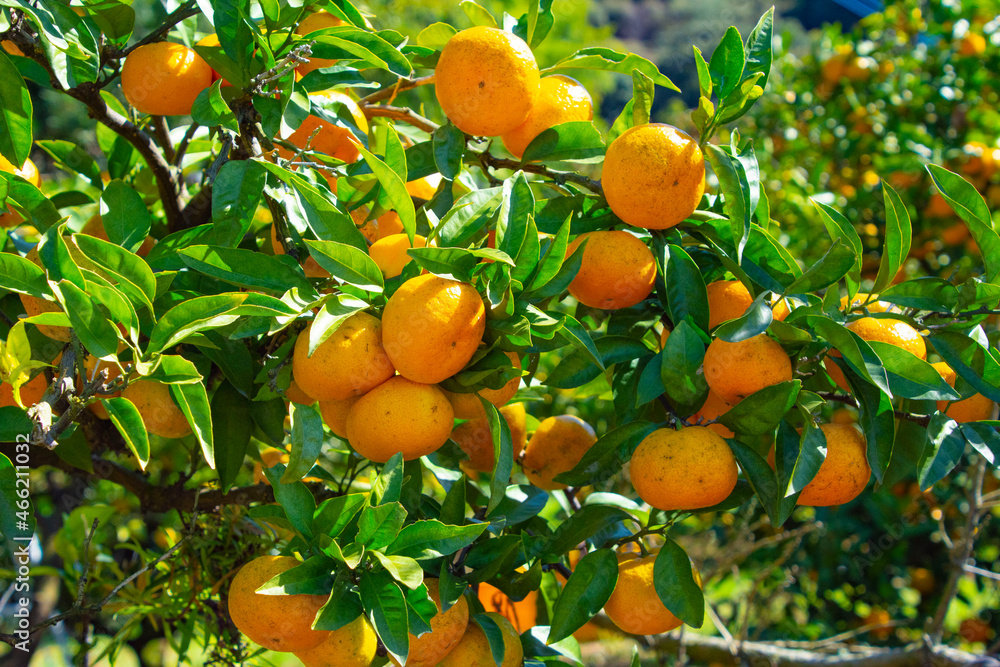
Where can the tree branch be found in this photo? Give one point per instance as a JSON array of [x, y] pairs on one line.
[[187, 10], [400, 113], [560, 177], [393, 90]]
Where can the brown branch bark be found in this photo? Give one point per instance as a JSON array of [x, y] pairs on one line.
[[560, 177], [400, 113], [395, 89]]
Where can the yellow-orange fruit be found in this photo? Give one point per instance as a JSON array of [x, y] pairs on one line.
[[389, 252], [276, 622], [402, 416], [522, 614], [336, 141], [95, 227], [349, 363], [164, 78], [736, 370], [654, 176], [683, 470], [269, 458], [29, 172], [310, 266], [31, 392], [727, 300], [353, 645], [157, 408], [295, 394], [884, 330], [634, 606], [713, 408], [424, 188], [844, 472], [476, 439], [311, 23], [617, 270], [447, 629], [473, 650], [973, 409], [560, 100], [432, 326], [468, 406], [556, 447], [335, 414], [486, 81]]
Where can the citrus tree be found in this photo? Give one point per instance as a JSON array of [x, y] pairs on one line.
[[296, 312]]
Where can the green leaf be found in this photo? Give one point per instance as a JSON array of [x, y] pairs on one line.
[[97, 334], [192, 399], [585, 593], [740, 187], [14, 499], [898, 233], [191, 316], [927, 293], [828, 270], [503, 455], [307, 441], [761, 477], [128, 421], [705, 84], [18, 274], [753, 322], [342, 608], [15, 113], [133, 275], [812, 453], [552, 260], [334, 514], [877, 420], [334, 312], [681, 358], [577, 336], [55, 255], [388, 486], [404, 570], [842, 229], [763, 410], [244, 268], [314, 576], [674, 581], [124, 215], [758, 52], [232, 427], [236, 194], [294, 498], [386, 608], [71, 157], [449, 148], [970, 361], [457, 263], [910, 376], [378, 526], [583, 524], [965, 200], [436, 35], [687, 296], [602, 58], [947, 444], [425, 540], [477, 14], [727, 63], [608, 455], [394, 188], [577, 368], [857, 352], [369, 48], [575, 140]]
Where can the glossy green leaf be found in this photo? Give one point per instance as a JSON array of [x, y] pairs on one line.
[[585, 593], [673, 578], [603, 58], [575, 140], [763, 410], [128, 421]]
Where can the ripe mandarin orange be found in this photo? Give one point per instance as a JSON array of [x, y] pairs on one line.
[[560, 100], [432, 326], [389, 252], [556, 447], [973, 409], [522, 614], [353, 645], [313, 22], [399, 415], [164, 78], [654, 176], [336, 141], [31, 392], [712, 408], [276, 622], [683, 470], [157, 408], [447, 629], [486, 81], [617, 270], [349, 363], [476, 439], [468, 406], [634, 606], [736, 370], [295, 394], [335, 413], [844, 472], [473, 650]]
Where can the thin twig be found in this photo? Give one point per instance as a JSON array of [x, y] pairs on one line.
[[393, 90], [400, 113], [187, 10], [560, 177], [82, 586]]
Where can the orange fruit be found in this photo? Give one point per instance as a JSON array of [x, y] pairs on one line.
[[973, 409], [486, 81], [164, 78], [468, 406], [683, 470], [476, 439], [634, 606], [311, 23], [447, 629], [276, 622], [212, 40], [295, 394], [654, 176], [424, 188], [336, 141], [310, 266], [617, 270], [95, 227], [348, 363], [972, 44], [844, 473], [29, 172], [11, 48], [727, 300], [399, 415], [557, 446], [269, 457], [473, 650], [522, 614], [36, 306], [389, 252], [353, 645], [736, 370], [884, 330], [432, 326], [157, 408], [560, 100], [712, 408], [31, 392], [335, 413]]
